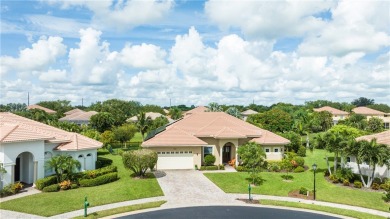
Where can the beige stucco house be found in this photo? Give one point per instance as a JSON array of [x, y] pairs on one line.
[[337, 114], [49, 111], [247, 113], [185, 143], [78, 116], [25, 146], [369, 113]]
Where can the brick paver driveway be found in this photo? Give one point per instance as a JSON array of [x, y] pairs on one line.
[[183, 187]]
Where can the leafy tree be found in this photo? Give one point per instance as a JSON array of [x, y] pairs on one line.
[[139, 161], [13, 107], [355, 120], [255, 119], [175, 113], [258, 108], [152, 108], [380, 107], [233, 111], [60, 106], [375, 125], [214, 107], [286, 107], [38, 115], [124, 133], [67, 126], [362, 101], [319, 141], [102, 121], [275, 120], [107, 137], [158, 122], [253, 158], [91, 133], [64, 166], [295, 141], [320, 121], [143, 123]]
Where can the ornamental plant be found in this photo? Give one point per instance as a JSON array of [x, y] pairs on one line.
[[139, 161]]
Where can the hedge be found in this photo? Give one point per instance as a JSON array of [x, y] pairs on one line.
[[299, 169], [103, 162], [219, 167], [44, 182], [51, 188], [103, 179], [90, 174]]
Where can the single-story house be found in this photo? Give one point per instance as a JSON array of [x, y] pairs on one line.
[[337, 114], [78, 116], [380, 171], [369, 113], [185, 143], [151, 115], [49, 111], [247, 113], [199, 109], [25, 146]]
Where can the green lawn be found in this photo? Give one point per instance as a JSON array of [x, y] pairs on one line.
[[338, 211], [137, 137], [126, 188], [274, 185]]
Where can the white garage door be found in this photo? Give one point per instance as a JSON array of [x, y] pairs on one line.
[[175, 160]]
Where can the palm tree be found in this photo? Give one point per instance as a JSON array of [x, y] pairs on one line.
[[175, 113], [64, 166], [214, 107], [143, 123], [333, 144], [233, 111]]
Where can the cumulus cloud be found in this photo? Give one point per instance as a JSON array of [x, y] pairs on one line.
[[43, 53], [142, 56], [53, 75]]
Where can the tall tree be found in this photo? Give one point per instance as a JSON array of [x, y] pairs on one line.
[[275, 120], [233, 111], [362, 101], [252, 157], [124, 133], [64, 166], [214, 107], [102, 121], [158, 122], [175, 113], [143, 123], [60, 106], [375, 125]]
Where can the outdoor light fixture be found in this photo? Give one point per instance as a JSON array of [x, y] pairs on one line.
[[314, 166]]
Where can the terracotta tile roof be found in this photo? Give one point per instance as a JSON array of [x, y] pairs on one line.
[[199, 109], [382, 138], [41, 108], [248, 112], [73, 111], [367, 111], [270, 138], [16, 128], [215, 125], [332, 110], [79, 116], [173, 137]]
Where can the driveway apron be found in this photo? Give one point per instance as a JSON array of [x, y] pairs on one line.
[[184, 187]]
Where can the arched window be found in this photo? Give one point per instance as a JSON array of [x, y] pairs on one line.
[[89, 155], [348, 159], [80, 156]]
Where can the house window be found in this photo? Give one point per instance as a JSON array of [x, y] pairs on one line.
[[386, 125], [207, 151], [267, 150], [276, 150], [158, 152], [348, 159]]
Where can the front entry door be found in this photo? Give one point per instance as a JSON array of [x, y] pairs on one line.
[[226, 154], [17, 170]]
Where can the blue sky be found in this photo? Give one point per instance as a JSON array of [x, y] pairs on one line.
[[194, 52]]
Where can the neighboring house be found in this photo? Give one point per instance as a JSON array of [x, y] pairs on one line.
[[49, 111], [151, 115], [25, 146], [199, 109], [337, 114], [380, 171], [78, 116], [247, 113], [369, 113], [185, 143]]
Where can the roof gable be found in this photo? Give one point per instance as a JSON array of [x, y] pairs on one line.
[[173, 137], [41, 108], [367, 111], [381, 138], [332, 110]]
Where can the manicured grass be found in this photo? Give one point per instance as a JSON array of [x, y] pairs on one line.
[[105, 213], [124, 189], [344, 212], [274, 185], [137, 137]]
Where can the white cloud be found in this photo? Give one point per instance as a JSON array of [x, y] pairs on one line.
[[53, 75], [142, 56]]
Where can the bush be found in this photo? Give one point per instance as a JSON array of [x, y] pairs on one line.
[[375, 186], [302, 151], [209, 168], [90, 174], [299, 169], [303, 191], [300, 161], [65, 185], [344, 173], [74, 186], [241, 169], [357, 184], [334, 178], [385, 186], [209, 160], [274, 166], [51, 188], [139, 161], [326, 173], [6, 191], [103, 162], [109, 177], [44, 182], [16, 187], [346, 182], [221, 167], [256, 178], [287, 177]]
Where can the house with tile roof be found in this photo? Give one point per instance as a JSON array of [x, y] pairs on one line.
[[185, 143], [49, 111], [337, 114], [380, 171], [247, 113], [25, 146], [78, 116], [151, 115], [369, 113]]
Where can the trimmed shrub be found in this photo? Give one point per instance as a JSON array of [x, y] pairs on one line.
[[301, 151], [333, 178], [274, 166], [346, 182], [375, 186], [74, 186], [384, 186], [299, 169], [209, 168], [16, 187], [344, 173], [241, 169], [139, 161], [256, 179], [6, 191], [90, 174], [103, 162], [51, 188], [303, 191], [109, 177], [287, 177], [221, 167], [44, 182], [300, 161], [209, 160], [357, 184]]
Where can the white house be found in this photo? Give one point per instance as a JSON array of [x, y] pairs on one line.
[[25, 146], [337, 114]]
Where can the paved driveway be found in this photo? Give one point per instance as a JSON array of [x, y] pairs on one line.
[[183, 187]]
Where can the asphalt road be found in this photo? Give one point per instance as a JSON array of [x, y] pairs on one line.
[[227, 212]]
